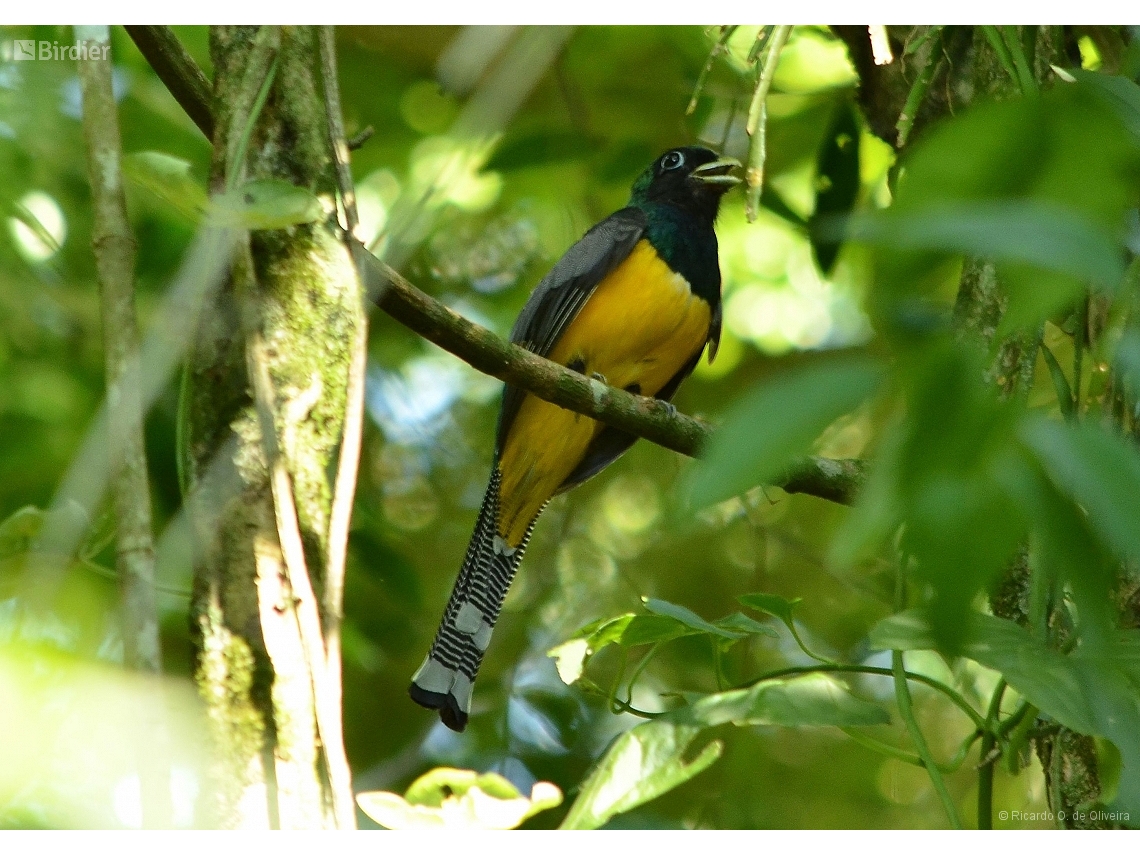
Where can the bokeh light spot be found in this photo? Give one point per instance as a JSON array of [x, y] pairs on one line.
[[38, 244]]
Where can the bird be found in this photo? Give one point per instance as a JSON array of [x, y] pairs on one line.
[[632, 304]]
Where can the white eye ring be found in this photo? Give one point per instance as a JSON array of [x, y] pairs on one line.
[[672, 160]]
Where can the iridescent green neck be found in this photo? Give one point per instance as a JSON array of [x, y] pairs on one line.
[[686, 242]]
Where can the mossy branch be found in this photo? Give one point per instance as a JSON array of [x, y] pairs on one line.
[[657, 421]]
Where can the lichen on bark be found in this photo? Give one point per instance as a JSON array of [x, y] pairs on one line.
[[284, 324]]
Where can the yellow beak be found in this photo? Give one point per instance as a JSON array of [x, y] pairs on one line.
[[718, 172]]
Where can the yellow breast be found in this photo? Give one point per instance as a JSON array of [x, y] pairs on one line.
[[640, 327]]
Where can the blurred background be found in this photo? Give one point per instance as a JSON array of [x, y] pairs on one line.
[[495, 148]]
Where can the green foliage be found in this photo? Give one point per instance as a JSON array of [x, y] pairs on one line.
[[810, 700], [459, 799], [1014, 231], [782, 609], [1090, 691], [642, 764], [1120, 93], [665, 622], [778, 421], [965, 473], [691, 620], [1097, 470], [986, 452]]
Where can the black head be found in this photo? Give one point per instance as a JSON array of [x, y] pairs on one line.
[[691, 178]]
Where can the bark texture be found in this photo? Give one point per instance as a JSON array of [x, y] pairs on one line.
[[268, 382], [114, 247]]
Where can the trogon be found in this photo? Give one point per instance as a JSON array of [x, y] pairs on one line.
[[633, 303]]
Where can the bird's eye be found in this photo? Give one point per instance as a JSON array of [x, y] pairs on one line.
[[672, 160]]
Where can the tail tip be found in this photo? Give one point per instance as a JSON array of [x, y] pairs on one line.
[[450, 713], [442, 687]]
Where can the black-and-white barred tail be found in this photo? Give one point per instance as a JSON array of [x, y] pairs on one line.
[[445, 679]]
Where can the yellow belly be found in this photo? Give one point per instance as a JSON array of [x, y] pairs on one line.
[[641, 326]]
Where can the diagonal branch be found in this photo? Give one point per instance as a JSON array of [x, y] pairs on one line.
[[834, 480], [178, 71], [483, 350]]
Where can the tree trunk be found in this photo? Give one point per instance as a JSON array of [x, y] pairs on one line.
[[267, 387]]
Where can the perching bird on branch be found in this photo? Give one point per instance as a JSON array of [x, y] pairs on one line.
[[633, 303]]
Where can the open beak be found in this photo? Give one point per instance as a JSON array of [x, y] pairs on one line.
[[718, 172]]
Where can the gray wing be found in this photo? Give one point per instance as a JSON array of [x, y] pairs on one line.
[[565, 289]]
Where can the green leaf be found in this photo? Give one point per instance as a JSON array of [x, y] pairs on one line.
[[1061, 147], [809, 700], [1068, 552], [1047, 678], [963, 530], [628, 630], [909, 630], [1039, 184], [771, 604], [267, 204], [570, 659], [1093, 692], [1127, 359], [782, 609], [1120, 93], [1042, 234], [1099, 470], [170, 179], [1061, 387], [1042, 675], [665, 622], [1109, 767], [740, 623], [778, 421], [19, 530], [631, 630], [690, 619], [877, 510], [642, 764], [459, 799]]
